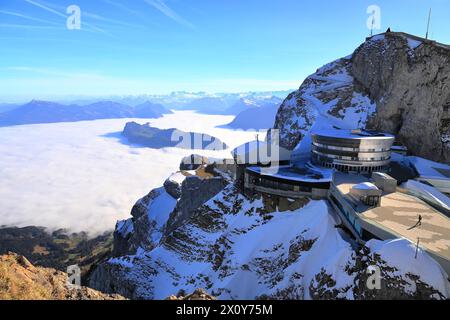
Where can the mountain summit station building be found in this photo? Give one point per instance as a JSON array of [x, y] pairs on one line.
[[351, 170], [352, 150]]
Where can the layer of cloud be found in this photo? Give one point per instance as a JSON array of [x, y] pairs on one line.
[[69, 175]]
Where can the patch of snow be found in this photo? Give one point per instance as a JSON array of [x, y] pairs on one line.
[[178, 177], [124, 227], [378, 37], [400, 253], [413, 44], [365, 186], [354, 116], [161, 207]]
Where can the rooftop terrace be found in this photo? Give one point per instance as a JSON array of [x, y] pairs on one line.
[[397, 215]]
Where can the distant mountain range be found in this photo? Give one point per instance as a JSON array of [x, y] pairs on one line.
[[181, 99], [255, 118], [50, 112], [226, 106], [141, 106], [208, 105]]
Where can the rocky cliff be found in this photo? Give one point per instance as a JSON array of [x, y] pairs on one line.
[[242, 248], [164, 209], [393, 82]]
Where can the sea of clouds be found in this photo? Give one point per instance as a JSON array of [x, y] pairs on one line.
[[83, 176]]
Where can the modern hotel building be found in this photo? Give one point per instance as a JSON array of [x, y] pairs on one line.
[[356, 151]]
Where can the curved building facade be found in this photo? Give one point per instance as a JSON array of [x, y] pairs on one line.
[[352, 150]]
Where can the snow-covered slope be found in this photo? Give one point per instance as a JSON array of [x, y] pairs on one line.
[[327, 99], [235, 249]]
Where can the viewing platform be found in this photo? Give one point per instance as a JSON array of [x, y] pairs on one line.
[[398, 215]]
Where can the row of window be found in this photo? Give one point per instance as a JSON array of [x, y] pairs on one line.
[[330, 156], [350, 149], [345, 168], [278, 185]]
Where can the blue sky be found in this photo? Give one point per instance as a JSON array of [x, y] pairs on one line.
[[159, 46]]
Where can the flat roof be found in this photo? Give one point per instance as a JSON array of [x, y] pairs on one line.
[[256, 147], [383, 174], [399, 212], [294, 173], [353, 134]]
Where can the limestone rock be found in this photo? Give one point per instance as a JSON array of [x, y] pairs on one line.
[[20, 280]]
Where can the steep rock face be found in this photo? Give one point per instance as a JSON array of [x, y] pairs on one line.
[[392, 82], [194, 192], [162, 210], [409, 79], [144, 228]]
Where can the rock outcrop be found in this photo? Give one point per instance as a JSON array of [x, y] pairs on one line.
[[155, 138], [20, 280], [195, 191], [393, 82], [199, 294], [164, 209]]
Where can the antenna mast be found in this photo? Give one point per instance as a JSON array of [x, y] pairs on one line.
[[373, 23], [428, 24]]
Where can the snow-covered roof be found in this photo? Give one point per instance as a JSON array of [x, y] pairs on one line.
[[353, 134], [383, 175], [256, 151], [365, 186], [293, 173], [430, 169], [427, 192]]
